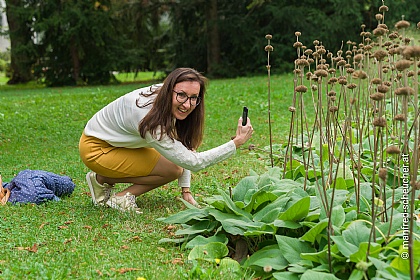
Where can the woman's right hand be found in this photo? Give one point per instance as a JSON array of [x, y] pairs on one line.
[[243, 133]]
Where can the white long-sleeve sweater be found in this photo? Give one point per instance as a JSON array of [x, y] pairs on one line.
[[117, 123]]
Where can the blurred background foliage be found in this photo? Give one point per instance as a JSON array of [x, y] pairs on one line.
[[80, 42]]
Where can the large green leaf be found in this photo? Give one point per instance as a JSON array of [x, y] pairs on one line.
[[201, 240], [200, 227], [216, 201], [259, 200], [291, 248], [255, 198], [285, 275], [209, 252], [232, 206], [338, 217], [344, 247], [246, 184], [315, 232], [287, 224], [397, 223], [185, 216], [270, 213], [270, 178], [234, 224], [317, 257], [297, 211], [228, 264], [385, 271], [360, 255], [316, 275], [267, 256], [356, 233]]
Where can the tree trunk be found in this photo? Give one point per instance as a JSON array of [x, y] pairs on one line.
[[213, 39], [74, 52], [20, 43]]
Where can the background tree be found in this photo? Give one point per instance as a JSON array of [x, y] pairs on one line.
[[78, 42], [82, 42], [23, 53]]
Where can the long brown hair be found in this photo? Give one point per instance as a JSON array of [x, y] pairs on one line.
[[188, 131]]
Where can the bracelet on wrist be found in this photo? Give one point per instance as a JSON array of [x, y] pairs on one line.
[[186, 191]]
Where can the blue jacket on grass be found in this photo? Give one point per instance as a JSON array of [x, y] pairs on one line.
[[37, 186]]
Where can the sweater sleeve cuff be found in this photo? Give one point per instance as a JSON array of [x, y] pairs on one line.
[[184, 181]]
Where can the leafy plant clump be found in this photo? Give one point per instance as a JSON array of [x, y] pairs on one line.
[[283, 230], [342, 201]]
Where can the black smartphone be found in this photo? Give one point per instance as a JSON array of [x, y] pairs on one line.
[[244, 116]]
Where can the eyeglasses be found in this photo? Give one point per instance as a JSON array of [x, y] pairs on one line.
[[182, 97]]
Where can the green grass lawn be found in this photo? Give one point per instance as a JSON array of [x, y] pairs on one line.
[[40, 129]]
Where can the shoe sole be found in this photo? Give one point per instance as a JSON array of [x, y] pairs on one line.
[[88, 179]]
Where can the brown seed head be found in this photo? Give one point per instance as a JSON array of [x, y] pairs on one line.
[[402, 24], [321, 67], [297, 34], [269, 48], [418, 25], [332, 71], [292, 109], [316, 43], [332, 93], [332, 80], [376, 81], [380, 54], [310, 60], [301, 88], [268, 36], [358, 57], [321, 73], [383, 174], [350, 70], [333, 109], [342, 80], [379, 121], [383, 89], [404, 91], [314, 87], [333, 98], [402, 64], [379, 31], [393, 35], [393, 150], [411, 51], [308, 75], [342, 62], [297, 45], [351, 86], [360, 75], [377, 96], [383, 8], [382, 25], [379, 17], [308, 51], [410, 73], [302, 62], [400, 117]]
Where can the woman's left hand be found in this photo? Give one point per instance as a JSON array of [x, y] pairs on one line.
[[187, 196]]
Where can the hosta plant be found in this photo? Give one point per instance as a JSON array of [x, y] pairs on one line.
[[278, 230]]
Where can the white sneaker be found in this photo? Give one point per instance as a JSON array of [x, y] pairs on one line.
[[100, 193], [124, 203]]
